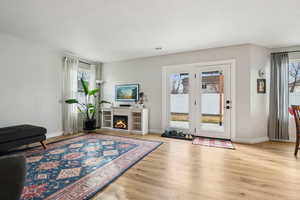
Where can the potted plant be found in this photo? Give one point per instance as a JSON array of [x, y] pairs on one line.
[[89, 107]]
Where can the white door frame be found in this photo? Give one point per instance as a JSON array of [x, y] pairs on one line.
[[190, 68]]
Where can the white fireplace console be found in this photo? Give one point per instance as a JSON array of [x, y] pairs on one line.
[[136, 118]]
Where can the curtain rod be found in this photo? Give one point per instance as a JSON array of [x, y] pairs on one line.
[[81, 59], [84, 62], [286, 52]]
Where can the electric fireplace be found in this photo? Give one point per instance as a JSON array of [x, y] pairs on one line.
[[133, 120], [120, 122]]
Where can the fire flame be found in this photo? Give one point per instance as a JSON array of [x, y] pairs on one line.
[[120, 124]]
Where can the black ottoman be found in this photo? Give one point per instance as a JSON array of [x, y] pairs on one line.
[[12, 173], [15, 136]]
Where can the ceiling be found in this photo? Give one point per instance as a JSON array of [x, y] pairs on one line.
[[111, 30]]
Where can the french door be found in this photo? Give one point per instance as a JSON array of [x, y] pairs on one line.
[[213, 101], [197, 99]]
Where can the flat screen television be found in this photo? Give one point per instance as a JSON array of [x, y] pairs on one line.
[[127, 92]]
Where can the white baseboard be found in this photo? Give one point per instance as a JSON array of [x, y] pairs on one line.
[[251, 140], [290, 140], [53, 134], [156, 131]]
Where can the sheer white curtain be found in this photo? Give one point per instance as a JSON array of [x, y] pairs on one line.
[[70, 87], [92, 81]]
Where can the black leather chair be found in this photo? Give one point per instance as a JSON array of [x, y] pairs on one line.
[[12, 176], [15, 136]]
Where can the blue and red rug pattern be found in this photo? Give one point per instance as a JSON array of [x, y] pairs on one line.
[[78, 168]]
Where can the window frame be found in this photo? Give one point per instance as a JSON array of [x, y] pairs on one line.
[[292, 61], [81, 92]]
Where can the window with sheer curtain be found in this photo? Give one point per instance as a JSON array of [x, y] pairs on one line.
[[87, 72], [84, 72]]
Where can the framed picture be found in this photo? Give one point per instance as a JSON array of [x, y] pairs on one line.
[[127, 92], [261, 85]]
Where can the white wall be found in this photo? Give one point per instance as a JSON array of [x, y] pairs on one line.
[[30, 84], [147, 72], [259, 106]]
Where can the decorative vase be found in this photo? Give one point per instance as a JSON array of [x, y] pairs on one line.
[[89, 125]]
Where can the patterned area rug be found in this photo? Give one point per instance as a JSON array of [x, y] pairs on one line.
[[213, 142], [78, 168]]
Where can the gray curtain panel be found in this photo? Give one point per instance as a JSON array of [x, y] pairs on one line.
[[279, 98]]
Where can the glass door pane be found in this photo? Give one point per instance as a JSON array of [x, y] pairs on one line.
[[212, 100], [179, 100]]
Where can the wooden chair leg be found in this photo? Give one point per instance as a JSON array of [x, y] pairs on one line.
[[43, 144], [297, 145]]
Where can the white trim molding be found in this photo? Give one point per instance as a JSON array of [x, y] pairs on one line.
[[290, 140], [251, 140], [54, 134], [156, 131]]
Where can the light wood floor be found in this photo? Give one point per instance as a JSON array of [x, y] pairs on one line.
[[178, 170]]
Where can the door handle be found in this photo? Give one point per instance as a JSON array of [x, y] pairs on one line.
[[227, 107]]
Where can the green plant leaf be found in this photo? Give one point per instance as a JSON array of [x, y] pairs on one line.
[[93, 92], [85, 86], [90, 106], [91, 112], [103, 101], [71, 101], [79, 109]]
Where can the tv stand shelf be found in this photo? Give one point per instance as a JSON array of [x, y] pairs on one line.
[[137, 119]]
